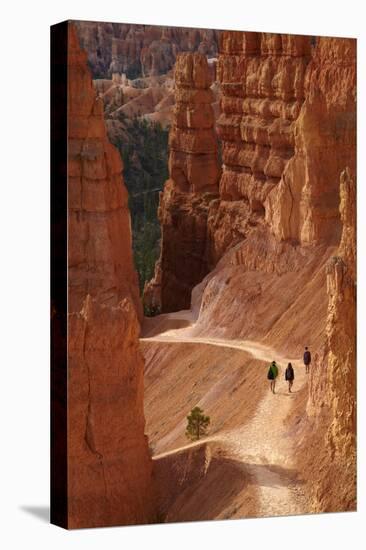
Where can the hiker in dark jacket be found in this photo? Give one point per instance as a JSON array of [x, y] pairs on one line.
[[272, 375], [307, 360], [289, 376]]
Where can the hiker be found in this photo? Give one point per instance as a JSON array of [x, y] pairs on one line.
[[272, 375], [289, 376], [307, 360]]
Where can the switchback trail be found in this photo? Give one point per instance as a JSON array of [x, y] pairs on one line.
[[263, 444]]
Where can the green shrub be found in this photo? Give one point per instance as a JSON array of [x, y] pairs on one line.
[[197, 424], [151, 311], [145, 158]]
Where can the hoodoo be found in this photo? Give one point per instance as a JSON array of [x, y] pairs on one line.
[[193, 184], [109, 467], [332, 394]]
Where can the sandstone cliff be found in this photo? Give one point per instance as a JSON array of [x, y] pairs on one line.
[[194, 174], [262, 282], [332, 391], [109, 467], [287, 131], [305, 208], [262, 82]]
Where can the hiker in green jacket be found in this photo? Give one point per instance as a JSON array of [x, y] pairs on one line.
[[272, 375]]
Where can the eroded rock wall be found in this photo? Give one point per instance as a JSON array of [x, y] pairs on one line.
[[262, 79], [194, 174], [109, 467], [287, 129], [332, 390], [305, 205]]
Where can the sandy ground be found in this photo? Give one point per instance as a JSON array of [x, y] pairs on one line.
[[254, 447]]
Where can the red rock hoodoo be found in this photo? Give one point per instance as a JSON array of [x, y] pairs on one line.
[[109, 467], [193, 184], [332, 393]]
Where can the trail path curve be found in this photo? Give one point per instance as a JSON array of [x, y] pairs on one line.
[[263, 444]]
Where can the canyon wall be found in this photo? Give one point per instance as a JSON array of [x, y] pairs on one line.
[[287, 128], [325, 143], [332, 388], [140, 50], [193, 184], [262, 81], [109, 466]]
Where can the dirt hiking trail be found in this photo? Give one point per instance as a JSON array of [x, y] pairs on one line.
[[263, 445]]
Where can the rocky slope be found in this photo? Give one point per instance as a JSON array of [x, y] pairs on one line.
[[109, 472], [140, 50], [193, 183]]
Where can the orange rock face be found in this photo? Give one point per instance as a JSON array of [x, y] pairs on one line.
[[194, 174], [109, 467], [341, 327], [262, 81], [325, 143], [332, 393]]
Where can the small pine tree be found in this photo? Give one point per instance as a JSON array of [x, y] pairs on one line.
[[197, 424]]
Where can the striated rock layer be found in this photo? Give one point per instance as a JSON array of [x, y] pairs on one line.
[[263, 281], [305, 208], [194, 174], [262, 80], [109, 467]]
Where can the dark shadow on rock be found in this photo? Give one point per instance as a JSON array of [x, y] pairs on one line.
[[153, 326], [198, 483], [202, 482], [40, 512]]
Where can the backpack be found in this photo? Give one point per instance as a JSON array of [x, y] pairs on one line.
[[289, 374], [270, 375], [307, 357]]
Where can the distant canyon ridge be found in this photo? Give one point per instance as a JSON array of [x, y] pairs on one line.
[[140, 50]]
